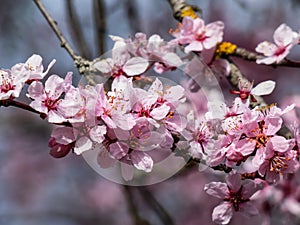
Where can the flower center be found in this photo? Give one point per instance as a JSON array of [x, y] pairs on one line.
[[6, 86], [278, 162], [235, 198], [51, 104], [280, 51]]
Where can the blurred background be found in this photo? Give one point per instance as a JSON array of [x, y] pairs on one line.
[[38, 189]]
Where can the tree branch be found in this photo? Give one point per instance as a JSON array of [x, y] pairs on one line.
[[75, 27], [100, 25], [10, 102], [82, 64], [180, 9], [253, 56]]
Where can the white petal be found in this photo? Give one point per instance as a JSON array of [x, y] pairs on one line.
[[264, 88], [135, 66], [142, 161], [222, 213], [127, 171], [82, 145]]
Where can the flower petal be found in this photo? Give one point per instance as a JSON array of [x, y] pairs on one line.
[[216, 189], [135, 66], [222, 213]]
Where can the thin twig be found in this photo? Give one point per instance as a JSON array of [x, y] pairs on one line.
[[100, 25], [53, 25], [82, 64], [253, 56], [178, 6], [75, 27], [20, 105]]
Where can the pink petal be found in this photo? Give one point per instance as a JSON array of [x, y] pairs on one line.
[[36, 90], [105, 66], [124, 121], [39, 106], [264, 88], [160, 112], [245, 146], [273, 124], [97, 133], [266, 48], [187, 26], [141, 161], [268, 60], [194, 46], [156, 87], [248, 208], [82, 144], [171, 59], [279, 143], [55, 117], [174, 93], [233, 181], [63, 135], [284, 35], [34, 60], [119, 53], [105, 160], [259, 157], [222, 213], [118, 150], [54, 86], [216, 189], [135, 66], [127, 171], [250, 188]]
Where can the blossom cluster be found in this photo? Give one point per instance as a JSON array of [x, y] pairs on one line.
[[132, 117]]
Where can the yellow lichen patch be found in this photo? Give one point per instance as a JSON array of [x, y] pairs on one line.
[[188, 11], [225, 48]]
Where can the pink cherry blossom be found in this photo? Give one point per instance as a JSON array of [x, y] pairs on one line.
[[121, 63], [130, 146], [154, 49], [246, 90], [285, 38], [197, 134], [277, 164], [11, 84], [114, 107], [62, 141], [47, 99], [72, 106], [198, 36], [88, 137], [33, 67], [237, 197]]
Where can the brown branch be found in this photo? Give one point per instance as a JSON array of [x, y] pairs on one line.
[[100, 25], [235, 77], [76, 30], [82, 64], [253, 56], [20, 105], [179, 6]]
